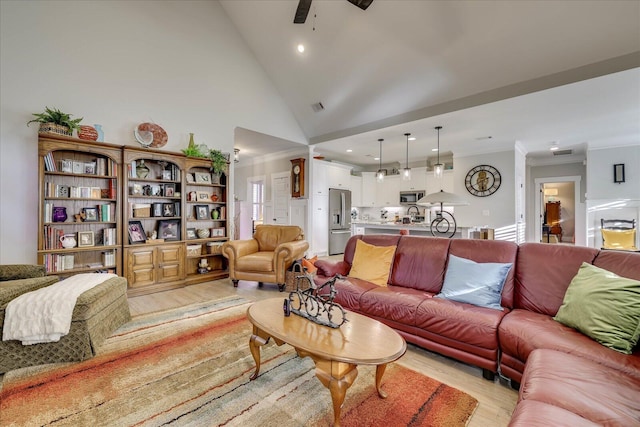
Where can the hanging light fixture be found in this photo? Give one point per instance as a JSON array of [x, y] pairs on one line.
[[406, 172], [438, 168], [236, 155], [380, 174]]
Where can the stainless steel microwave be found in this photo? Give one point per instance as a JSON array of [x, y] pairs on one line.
[[411, 197]]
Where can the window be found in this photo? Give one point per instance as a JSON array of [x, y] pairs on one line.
[[255, 188]]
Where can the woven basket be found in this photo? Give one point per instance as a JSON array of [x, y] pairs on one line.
[[55, 128], [296, 278]]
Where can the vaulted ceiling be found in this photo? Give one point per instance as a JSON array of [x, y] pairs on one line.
[[530, 72]]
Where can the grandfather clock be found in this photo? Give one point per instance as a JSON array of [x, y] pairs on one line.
[[297, 177]]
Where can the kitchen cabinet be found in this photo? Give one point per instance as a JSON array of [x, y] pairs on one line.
[[320, 228], [418, 180], [339, 176], [388, 191], [356, 190], [445, 183], [320, 183], [369, 189]]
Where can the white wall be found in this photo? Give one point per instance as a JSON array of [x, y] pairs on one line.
[[500, 205], [180, 64], [600, 173]]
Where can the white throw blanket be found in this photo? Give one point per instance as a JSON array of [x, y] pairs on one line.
[[44, 315]]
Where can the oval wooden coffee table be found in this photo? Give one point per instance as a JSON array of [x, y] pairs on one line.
[[335, 352]]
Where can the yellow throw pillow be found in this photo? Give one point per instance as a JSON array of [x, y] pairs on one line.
[[372, 263], [619, 239]]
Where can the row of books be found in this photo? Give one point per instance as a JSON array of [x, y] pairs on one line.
[[57, 190], [52, 236], [55, 263], [99, 166]]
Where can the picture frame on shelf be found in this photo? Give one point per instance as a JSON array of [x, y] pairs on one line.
[[90, 168], [169, 229], [203, 196], [66, 165], [168, 209], [191, 233], [166, 175], [157, 209], [90, 214], [202, 211], [78, 167], [136, 190], [190, 178], [192, 196], [169, 190], [136, 232], [85, 238], [202, 177]]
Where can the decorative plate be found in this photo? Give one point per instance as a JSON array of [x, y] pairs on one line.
[[160, 137]]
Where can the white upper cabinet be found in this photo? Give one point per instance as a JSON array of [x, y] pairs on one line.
[[339, 176], [388, 191], [418, 180], [356, 190], [369, 189]]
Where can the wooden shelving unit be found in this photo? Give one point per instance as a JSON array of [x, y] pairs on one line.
[[79, 177]]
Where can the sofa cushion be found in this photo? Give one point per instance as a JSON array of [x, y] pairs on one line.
[[349, 291], [372, 263], [257, 261], [474, 283], [550, 268], [603, 306], [420, 263], [522, 331], [489, 251], [598, 393], [623, 263], [531, 413], [393, 303]]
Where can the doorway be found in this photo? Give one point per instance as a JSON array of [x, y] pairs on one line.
[[560, 214]]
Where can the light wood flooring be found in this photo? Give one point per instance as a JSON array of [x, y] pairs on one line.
[[497, 399]]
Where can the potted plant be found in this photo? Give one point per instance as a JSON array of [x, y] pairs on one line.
[[218, 164], [55, 121]]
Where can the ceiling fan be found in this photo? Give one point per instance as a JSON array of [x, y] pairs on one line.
[[304, 5]]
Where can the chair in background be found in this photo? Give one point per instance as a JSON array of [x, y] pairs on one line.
[[266, 256], [618, 234]]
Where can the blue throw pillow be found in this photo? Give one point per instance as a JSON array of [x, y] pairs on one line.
[[474, 283]]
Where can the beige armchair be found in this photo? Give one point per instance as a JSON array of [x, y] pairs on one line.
[[266, 256]]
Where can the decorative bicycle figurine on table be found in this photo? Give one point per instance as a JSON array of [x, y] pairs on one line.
[[316, 303]]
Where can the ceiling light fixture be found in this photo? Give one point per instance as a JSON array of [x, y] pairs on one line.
[[301, 48], [406, 172], [554, 146], [380, 173], [236, 155], [438, 168]]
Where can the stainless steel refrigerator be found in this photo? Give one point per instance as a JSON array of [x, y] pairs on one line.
[[339, 220]]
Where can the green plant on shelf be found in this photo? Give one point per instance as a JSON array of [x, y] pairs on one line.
[[218, 161], [54, 115]]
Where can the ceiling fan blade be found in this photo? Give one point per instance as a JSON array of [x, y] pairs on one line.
[[362, 4], [302, 11]]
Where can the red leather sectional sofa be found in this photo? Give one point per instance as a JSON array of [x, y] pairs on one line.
[[567, 379]]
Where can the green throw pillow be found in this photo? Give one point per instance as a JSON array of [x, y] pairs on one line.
[[603, 306]]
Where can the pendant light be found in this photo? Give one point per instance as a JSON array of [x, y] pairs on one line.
[[438, 168], [406, 172], [380, 174]]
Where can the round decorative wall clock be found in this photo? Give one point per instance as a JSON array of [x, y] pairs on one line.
[[483, 180]]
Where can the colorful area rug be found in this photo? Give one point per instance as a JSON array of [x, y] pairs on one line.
[[191, 366]]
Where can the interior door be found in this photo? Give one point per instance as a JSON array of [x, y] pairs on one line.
[[281, 194]]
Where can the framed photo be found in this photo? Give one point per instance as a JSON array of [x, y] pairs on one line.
[[202, 211], [90, 168], [169, 229], [203, 177], [169, 190], [157, 209], [203, 197], [136, 190], [191, 233], [66, 165], [618, 173], [78, 167], [168, 209], [189, 178], [136, 232], [85, 238], [90, 214], [166, 175], [192, 196]]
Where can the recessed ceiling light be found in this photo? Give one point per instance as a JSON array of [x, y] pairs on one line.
[[413, 138], [376, 158], [349, 150], [434, 149], [554, 146], [301, 48]]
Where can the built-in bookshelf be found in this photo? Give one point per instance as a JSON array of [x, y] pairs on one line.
[[78, 207]]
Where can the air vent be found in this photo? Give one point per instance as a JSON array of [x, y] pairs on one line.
[[317, 107], [562, 152]]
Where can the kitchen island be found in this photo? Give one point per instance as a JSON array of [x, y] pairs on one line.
[[415, 229]]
